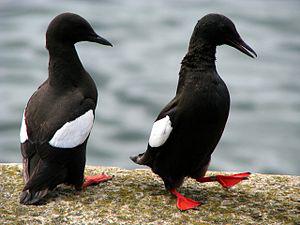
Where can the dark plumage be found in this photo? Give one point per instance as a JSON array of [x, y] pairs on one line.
[[199, 111], [65, 102]]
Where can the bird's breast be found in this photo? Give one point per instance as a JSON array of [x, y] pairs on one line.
[[205, 106]]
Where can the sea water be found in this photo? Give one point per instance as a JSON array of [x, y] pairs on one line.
[[138, 76]]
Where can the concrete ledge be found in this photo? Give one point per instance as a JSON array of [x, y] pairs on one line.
[[138, 197]]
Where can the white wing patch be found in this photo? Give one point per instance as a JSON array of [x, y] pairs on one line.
[[23, 130], [160, 132], [73, 133]]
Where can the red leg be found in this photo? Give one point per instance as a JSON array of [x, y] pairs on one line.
[[184, 203], [92, 180], [226, 181]]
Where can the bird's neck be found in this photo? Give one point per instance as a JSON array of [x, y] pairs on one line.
[[200, 57], [200, 60], [64, 65]]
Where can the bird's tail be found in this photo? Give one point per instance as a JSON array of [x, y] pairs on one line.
[[44, 178], [144, 158], [138, 159], [32, 198]]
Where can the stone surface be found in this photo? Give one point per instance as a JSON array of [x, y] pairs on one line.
[[139, 197]]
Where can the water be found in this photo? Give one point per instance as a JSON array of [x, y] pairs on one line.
[[138, 76]]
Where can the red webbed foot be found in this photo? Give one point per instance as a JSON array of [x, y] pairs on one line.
[[93, 180], [226, 181], [184, 203]]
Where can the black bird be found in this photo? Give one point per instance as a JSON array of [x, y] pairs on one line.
[[59, 116], [190, 126]]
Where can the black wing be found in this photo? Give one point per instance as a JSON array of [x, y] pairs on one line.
[[169, 110], [44, 165]]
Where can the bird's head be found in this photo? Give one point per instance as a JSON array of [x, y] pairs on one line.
[[69, 28], [217, 29]]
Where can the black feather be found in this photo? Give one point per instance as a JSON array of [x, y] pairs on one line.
[[199, 110], [68, 93]]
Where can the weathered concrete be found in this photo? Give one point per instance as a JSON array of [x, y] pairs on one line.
[[138, 197]]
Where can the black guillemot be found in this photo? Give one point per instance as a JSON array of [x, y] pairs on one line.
[[59, 116], [188, 129]]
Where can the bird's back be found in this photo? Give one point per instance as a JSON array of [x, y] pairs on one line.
[[49, 108]]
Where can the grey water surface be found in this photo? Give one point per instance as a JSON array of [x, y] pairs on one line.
[[138, 76]]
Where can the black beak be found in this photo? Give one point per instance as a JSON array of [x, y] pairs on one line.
[[96, 38], [240, 45]]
